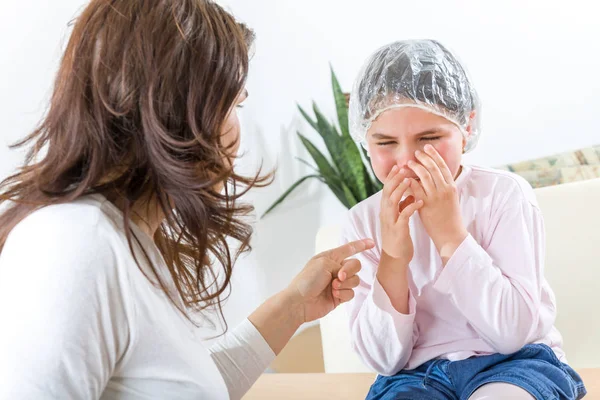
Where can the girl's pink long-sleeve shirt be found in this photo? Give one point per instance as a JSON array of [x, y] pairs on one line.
[[491, 297]]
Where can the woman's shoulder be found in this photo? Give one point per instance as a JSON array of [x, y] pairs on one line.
[[80, 221], [70, 235], [61, 266]]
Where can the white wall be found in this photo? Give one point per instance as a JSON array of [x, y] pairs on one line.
[[534, 64], [31, 36]]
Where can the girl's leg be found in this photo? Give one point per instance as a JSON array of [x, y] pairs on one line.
[[535, 369], [501, 391], [427, 382]]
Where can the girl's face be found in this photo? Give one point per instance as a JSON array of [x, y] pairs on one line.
[[397, 133]]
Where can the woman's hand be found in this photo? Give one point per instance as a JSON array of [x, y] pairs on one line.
[[441, 210], [327, 280]]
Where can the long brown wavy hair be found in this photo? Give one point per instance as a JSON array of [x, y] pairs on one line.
[[137, 112]]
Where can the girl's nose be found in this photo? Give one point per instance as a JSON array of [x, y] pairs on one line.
[[404, 157]]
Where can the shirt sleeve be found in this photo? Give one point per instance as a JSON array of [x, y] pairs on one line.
[[499, 288], [381, 336], [64, 321], [241, 356]]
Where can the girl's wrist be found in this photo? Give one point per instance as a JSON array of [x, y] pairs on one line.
[[448, 245]]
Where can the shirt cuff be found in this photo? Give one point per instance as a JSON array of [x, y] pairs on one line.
[[468, 249], [383, 302], [248, 333]]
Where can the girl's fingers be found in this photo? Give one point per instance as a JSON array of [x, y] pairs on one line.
[[392, 180], [388, 188], [405, 203], [432, 167], [397, 194], [435, 156], [410, 210], [424, 176], [393, 172], [417, 190]]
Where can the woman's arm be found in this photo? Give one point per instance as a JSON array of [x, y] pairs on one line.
[[326, 281], [64, 321]]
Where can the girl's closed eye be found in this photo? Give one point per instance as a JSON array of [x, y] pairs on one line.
[[385, 143], [429, 138]]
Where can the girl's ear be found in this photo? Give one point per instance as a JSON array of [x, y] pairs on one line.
[[470, 123], [469, 128]]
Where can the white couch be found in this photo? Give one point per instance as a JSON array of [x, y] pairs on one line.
[[572, 216]]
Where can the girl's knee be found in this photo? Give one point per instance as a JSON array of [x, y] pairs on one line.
[[501, 391]]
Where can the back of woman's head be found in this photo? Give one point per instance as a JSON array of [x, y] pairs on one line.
[[137, 112]]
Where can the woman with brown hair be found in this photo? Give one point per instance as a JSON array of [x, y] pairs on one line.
[[113, 234]]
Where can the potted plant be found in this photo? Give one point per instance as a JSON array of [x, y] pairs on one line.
[[345, 170]]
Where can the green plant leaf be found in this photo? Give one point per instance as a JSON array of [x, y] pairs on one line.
[[308, 118], [324, 128], [351, 199], [287, 192], [307, 164], [325, 168], [330, 136], [344, 196], [353, 168], [368, 182], [340, 104], [345, 155], [328, 173], [376, 185], [345, 172]]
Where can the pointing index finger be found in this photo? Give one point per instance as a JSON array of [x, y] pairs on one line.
[[339, 254]]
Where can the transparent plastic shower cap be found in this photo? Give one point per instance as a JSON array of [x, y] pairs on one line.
[[414, 73]]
